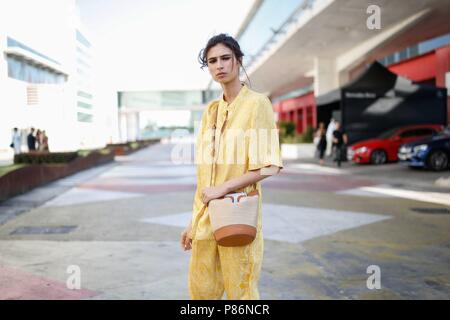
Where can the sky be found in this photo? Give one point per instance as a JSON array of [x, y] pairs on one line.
[[46, 28], [154, 44]]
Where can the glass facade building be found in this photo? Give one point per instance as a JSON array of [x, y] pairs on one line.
[[84, 79], [26, 70], [47, 74], [165, 99]]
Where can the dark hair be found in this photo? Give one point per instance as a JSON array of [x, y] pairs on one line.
[[227, 41]]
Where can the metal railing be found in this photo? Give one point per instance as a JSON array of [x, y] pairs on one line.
[[282, 30]]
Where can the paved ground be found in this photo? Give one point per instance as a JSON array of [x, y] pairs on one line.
[[119, 224]]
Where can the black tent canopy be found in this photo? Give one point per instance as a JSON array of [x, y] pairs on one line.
[[379, 100]]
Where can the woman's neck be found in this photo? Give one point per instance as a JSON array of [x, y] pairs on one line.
[[231, 90]]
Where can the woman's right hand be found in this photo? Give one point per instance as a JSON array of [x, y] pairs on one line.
[[186, 241]]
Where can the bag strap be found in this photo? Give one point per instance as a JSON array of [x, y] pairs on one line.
[[216, 142]]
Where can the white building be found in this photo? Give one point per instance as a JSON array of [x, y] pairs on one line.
[[47, 78]]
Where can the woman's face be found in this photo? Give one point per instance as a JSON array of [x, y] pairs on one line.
[[222, 64]]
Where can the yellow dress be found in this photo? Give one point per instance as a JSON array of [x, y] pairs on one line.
[[249, 142]]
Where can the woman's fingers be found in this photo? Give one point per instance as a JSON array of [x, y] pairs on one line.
[[187, 243], [183, 239], [205, 197], [188, 246]]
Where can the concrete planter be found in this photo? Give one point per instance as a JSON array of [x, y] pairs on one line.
[[297, 150], [32, 176]]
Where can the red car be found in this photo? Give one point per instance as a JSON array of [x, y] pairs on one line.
[[385, 147]]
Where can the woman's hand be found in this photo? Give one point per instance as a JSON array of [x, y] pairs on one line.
[[186, 241], [211, 193]]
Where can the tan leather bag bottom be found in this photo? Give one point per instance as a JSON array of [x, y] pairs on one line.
[[235, 235]]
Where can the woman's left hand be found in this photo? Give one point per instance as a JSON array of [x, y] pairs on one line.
[[211, 193]]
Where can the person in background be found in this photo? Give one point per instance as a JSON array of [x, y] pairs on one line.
[[16, 141], [329, 136], [31, 141], [39, 139], [321, 142], [339, 141], [316, 138], [44, 142]]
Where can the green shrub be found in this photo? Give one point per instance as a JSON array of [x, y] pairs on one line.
[[105, 151], [287, 128], [45, 157], [288, 134], [134, 145], [85, 153], [289, 139], [6, 169], [308, 135]]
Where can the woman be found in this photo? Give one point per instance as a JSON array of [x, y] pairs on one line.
[[214, 269], [39, 140], [16, 141], [44, 141], [321, 136], [330, 129]]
